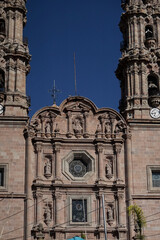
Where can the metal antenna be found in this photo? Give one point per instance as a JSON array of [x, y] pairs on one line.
[[54, 92], [75, 74]]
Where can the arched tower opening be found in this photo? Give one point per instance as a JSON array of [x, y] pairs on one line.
[[2, 80]]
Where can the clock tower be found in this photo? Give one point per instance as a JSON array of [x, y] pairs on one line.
[[139, 75]]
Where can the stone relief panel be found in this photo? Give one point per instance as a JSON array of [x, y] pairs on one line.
[[110, 126], [44, 124]]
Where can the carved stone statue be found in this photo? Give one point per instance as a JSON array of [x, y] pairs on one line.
[[110, 213], [47, 168], [47, 215], [57, 128], [119, 127], [107, 127], [98, 128], [77, 126], [48, 128], [109, 169]]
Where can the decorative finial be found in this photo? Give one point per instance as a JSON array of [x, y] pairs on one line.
[[54, 92]]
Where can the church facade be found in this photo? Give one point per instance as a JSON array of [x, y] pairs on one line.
[[56, 167]]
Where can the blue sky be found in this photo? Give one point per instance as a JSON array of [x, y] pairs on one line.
[[57, 28]]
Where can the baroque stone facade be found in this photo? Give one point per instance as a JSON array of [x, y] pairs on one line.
[[55, 168]]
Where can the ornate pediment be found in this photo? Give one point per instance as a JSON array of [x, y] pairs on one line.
[[77, 107], [78, 117]]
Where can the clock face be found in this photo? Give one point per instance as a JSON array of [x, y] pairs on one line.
[[155, 113], [1, 108]]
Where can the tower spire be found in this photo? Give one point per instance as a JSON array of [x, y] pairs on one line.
[[75, 80], [54, 91]]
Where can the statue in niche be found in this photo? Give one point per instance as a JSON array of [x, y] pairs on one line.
[[109, 169], [47, 168], [77, 126], [98, 130], [47, 215], [56, 128], [107, 127], [110, 213], [48, 128]]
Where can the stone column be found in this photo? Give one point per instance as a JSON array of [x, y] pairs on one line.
[[119, 173], [129, 181], [10, 17], [86, 135], [144, 80], [18, 27], [100, 162], [129, 33], [58, 166], [135, 32], [120, 197], [11, 75], [158, 31], [100, 209], [39, 160], [69, 130], [28, 214], [141, 31], [39, 197], [131, 24], [136, 79], [128, 84]]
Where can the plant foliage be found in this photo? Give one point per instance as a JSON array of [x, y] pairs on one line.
[[139, 219]]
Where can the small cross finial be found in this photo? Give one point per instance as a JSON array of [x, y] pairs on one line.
[[54, 92]]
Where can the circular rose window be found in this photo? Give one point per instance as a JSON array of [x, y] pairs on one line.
[[77, 168]]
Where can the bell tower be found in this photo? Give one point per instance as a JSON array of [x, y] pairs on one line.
[[14, 66], [139, 65], [14, 58], [139, 75]]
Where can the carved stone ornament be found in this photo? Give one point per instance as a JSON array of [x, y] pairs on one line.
[[38, 232], [47, 214], [119, 127]]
